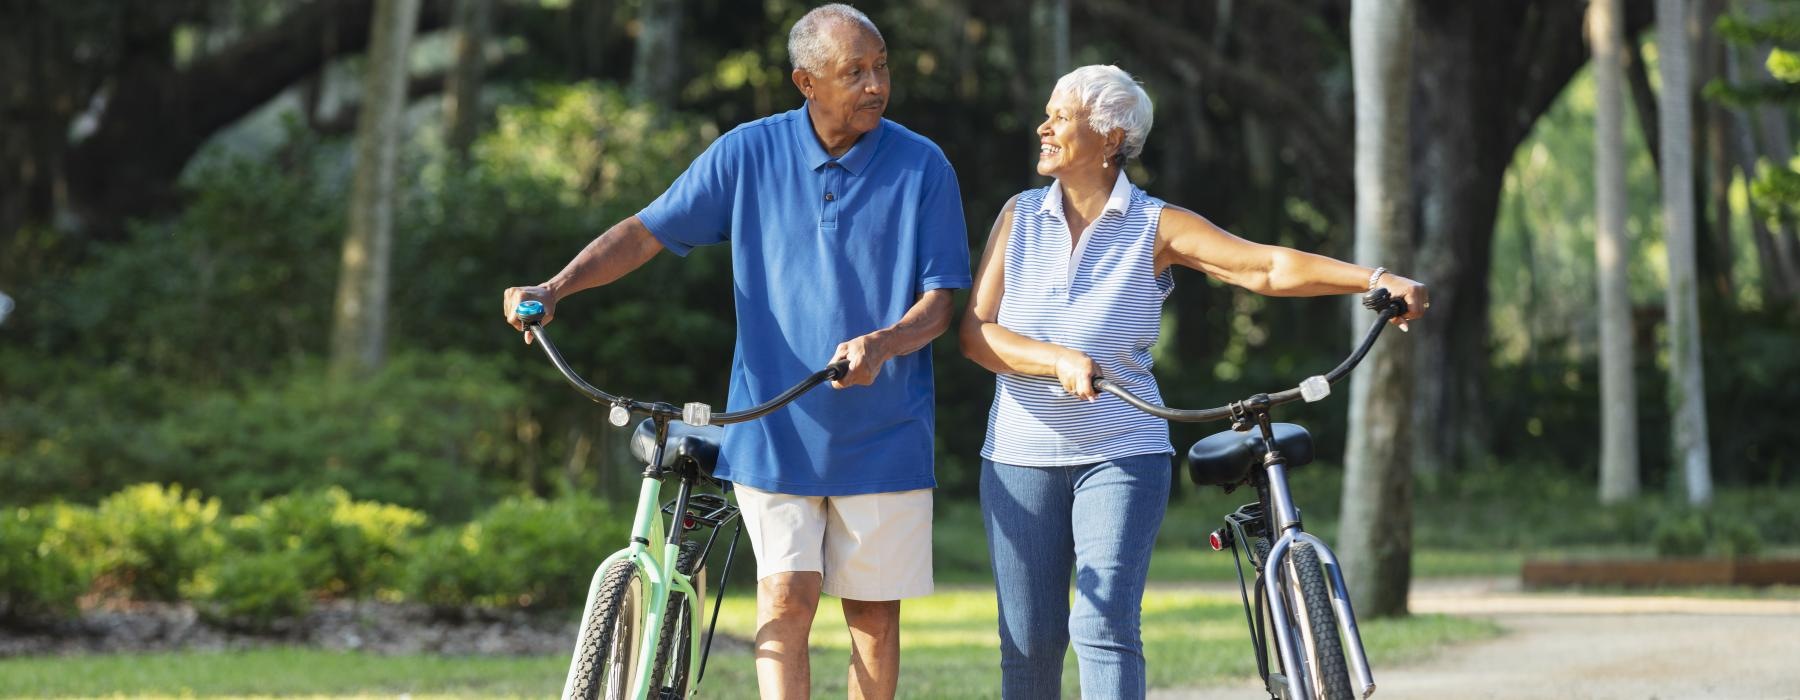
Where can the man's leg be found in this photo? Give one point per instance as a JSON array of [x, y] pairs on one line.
[[874, 647], [785, 605], [787, 533], [877, 552]]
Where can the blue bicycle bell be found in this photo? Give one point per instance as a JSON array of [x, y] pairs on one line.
[[529, 311]]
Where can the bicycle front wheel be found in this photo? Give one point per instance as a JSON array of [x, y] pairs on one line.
[[611, 636], [1316, 620]]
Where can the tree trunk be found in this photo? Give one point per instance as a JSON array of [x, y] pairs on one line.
[[358, 339], [1716, 256], [1376, 527], [1780, 280], [1687, 383], [656, 67], [1618, 387], [1050, 39], [1477, 93], [1643, 97], [1777, 148], [462, 96]]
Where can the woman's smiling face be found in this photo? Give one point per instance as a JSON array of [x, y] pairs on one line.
[[1065, 141]]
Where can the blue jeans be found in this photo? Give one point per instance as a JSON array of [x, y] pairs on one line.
[[1098, 521]]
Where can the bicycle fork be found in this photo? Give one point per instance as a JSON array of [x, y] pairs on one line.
[[1286, 520], [1275, 579]]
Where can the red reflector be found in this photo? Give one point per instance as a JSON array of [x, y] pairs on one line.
[[1217, 542], [687, 522]]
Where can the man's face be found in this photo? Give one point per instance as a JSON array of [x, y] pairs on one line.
[[849, 90]]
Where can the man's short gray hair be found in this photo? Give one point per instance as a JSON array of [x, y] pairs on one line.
[[1114, 101], [807, 47]]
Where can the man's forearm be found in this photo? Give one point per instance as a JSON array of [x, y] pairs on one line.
[[928, 318], [623, 248]]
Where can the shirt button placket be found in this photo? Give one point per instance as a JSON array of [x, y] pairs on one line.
[[828, 210]]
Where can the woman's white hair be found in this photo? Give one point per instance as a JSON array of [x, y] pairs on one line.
[[807, 47], [1114, 100]]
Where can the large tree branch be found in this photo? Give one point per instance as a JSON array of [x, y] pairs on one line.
[[156, 117], [1320, 139]]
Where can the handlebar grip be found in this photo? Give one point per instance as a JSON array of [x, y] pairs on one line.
[[837, 370], [1380, 301], [529, 312]]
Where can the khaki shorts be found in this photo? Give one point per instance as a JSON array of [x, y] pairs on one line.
[[869, 547]]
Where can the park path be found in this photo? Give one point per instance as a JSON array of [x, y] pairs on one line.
[[1601, 647]]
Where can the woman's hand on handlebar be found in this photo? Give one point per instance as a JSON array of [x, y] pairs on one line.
[[1416, 296], [513, 296], [1077, 371]]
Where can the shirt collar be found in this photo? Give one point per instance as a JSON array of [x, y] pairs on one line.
[[854, 160], [1118, 201]]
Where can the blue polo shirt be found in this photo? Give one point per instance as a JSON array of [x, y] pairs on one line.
[[823, 250]]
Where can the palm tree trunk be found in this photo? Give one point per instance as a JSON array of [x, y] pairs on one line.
[[1688, 384], [359, 333], [462, 97], [1618, 388], [656, 68], [1376, 527]]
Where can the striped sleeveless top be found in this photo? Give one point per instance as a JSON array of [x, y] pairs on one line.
[[1105, 299]]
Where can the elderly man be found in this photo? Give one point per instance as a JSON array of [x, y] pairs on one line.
[[847, 237]]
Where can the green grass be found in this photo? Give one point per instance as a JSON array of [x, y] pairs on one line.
[[951, 651], [283, 672]]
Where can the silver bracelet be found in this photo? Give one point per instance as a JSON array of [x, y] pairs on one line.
[[1375, 277]]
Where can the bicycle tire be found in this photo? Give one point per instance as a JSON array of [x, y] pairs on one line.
[[674, 644], [1318, 625], [613, 628]]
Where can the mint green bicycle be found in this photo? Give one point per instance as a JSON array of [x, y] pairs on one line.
[[657, 583]]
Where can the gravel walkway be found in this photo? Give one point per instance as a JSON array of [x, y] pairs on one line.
[[1559, 645]]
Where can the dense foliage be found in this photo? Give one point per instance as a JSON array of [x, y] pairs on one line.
[[185, 345]]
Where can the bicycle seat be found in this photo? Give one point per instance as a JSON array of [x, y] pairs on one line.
[[698, 446], [1227, 457]]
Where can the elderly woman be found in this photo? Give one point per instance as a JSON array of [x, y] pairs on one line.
[[1070, 287]]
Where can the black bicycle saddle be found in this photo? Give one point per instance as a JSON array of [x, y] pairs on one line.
[[1227, 457], [697, 445]]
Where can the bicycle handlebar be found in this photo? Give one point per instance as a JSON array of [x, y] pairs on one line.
[[1313, 389], [531, 312]]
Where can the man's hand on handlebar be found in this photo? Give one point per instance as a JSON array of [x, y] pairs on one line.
[[1077, 371], [1416, 296], [513, 296], [866, 354]]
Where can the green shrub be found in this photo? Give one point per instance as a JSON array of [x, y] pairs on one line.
[[1682, 535], [256, 589], [349, 548], [1736, 538], [428, 431], [1694, 533], [524, 552], [157, 539], [45, 560]]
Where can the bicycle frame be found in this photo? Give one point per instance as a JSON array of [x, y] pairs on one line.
[[655, 569], [1281, 523]]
